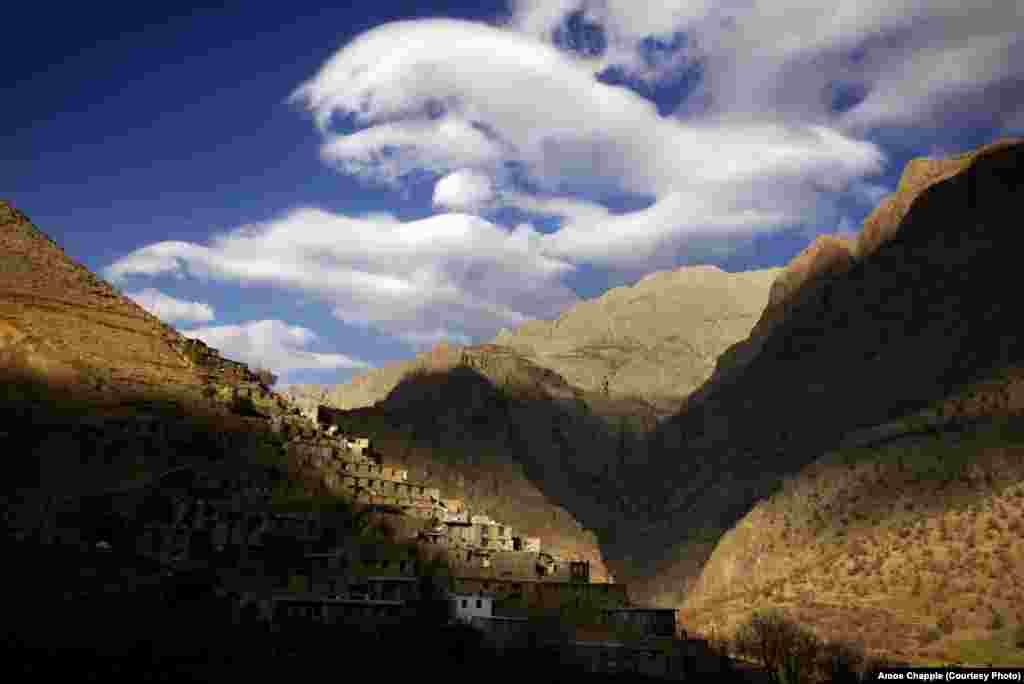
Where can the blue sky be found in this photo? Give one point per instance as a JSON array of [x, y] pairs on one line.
[[320, 189]]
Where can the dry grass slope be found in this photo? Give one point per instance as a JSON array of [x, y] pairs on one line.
[[911, 547]]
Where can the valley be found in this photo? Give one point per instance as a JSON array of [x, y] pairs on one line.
[[840, 439]]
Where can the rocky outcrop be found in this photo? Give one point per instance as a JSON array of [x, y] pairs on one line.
[[919, 174]]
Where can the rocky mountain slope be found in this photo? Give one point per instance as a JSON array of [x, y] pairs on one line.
[[100, 396], [921, 318], [96, 392], [909, 545], [524, 448], [635, 349], [61, 325], [657, 340], [555, 411], [852, 335]]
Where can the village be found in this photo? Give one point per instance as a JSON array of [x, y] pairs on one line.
[[293, 569]]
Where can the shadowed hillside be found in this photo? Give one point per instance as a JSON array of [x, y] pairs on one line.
[[526, 454], [924, 320], [97, 394]]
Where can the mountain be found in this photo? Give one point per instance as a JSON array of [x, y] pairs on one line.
[[100, 397], [541, 425], [656, 340], [874, 405], [504, 436], [96, 392], [640, 348], [63, 326]]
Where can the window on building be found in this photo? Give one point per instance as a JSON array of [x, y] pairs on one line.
[[479, 603], [465, 602]]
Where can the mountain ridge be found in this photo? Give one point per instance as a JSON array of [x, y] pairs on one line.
[[606, 347], [916, 330]]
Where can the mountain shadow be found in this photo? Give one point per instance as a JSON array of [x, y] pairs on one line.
[[909, 326], [540, 462]]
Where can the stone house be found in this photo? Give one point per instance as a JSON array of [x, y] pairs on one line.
[[493, 536], [459, 533], [454, 506], [458, 517]]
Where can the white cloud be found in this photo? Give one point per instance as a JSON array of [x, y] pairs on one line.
[[272, 344], [494, 110], [389, 151], [931, 83], [543, 108], [464, 190], [566, 207], [168, 308], [678, 228], [775, 57], [452, 275]]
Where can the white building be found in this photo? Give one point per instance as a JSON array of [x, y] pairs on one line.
[[464, 607]]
